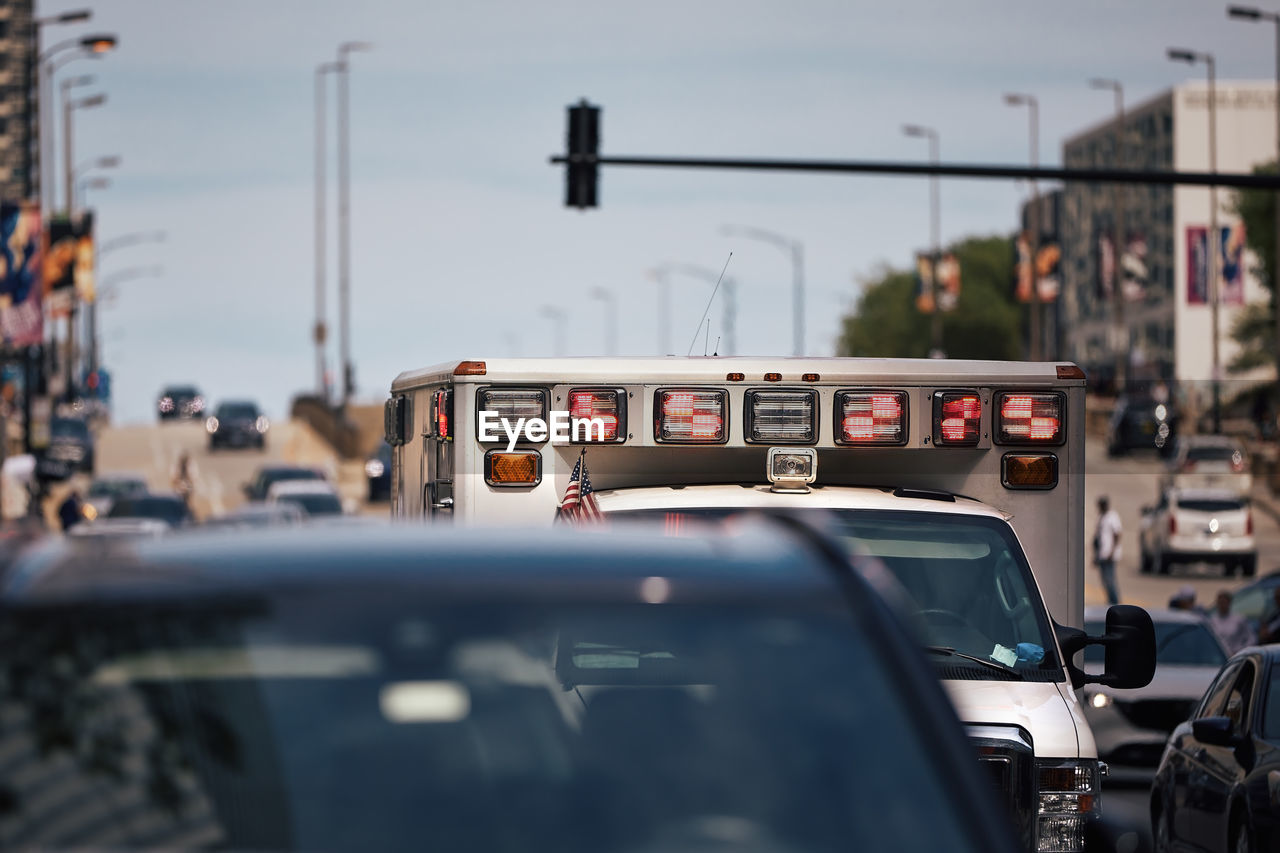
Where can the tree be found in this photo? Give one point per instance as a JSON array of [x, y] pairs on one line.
[[984, 325], [1254, 328]]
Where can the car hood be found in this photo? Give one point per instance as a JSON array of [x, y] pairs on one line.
[[1039, 707], [1169, 682]]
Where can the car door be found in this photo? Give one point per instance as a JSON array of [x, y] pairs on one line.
[[1189, 773], [1224, 766]]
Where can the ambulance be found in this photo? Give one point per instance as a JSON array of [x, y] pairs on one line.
[[965, 479]]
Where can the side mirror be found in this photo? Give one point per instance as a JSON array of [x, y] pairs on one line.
[[1130, 642], [1215, 731]]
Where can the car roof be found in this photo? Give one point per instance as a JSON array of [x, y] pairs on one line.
[[748, 562], [302, 487], [1098, 613], [181, 389]]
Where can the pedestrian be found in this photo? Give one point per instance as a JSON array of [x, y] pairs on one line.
[[184, 479], [1270, 630], [1106, 547], [1184, 599], [71, 510], [1232, 629]]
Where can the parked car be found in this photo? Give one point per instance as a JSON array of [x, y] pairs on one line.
[[417, 688], [1218, 785], [237, 423], [378, 471], [169, 508], [71, 444], [180, 401], [256, 489], [314, 497], [1141, 422], [1256, 602], [1199, 525], [1130, 727], [1209, 462], [105, 488]]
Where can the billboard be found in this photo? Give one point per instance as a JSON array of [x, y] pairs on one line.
[[924, 284], [21, 316], [68, 265], [1046, 264], [1231, 242]]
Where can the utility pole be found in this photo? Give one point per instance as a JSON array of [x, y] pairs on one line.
[[344, 224], [1120, 328], [1033, 240], [320, 332]]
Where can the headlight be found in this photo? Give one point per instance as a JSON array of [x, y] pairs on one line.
[[89, 511], [197, 405], [374, 468], [1161, 412], [1068, 800], [1100, 700], [262, 423], [211, 425], [166, 404]]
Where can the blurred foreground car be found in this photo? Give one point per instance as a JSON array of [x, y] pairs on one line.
[[1210, 462], [1218, 786], [442, 689], [237, 423], [105, 489], [1199, 525], [259, 514], [256, 489], [120, 528], [168, 508], [1141, 423], [378, 471], [313, 497], [1131, 726], [180, 401]]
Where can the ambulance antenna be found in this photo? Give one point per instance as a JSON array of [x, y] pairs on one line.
[[717, 349], [714, 291]]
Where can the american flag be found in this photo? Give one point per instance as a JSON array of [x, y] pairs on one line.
[[579, 501]]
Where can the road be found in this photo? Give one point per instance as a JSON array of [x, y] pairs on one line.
[[152, 450]]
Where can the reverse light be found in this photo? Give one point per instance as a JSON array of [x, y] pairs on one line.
[[607, 405], [1025, 418], [871, 417], [690, 416], [442, 413], [957, 418], [781, 416], [211, 425], [1029, 470], [513, 404], [519, 469]]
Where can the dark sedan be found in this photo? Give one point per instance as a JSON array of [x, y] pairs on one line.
[[1218, 786], [1141, 423], [180, 401], [237, 423], [402, 688]]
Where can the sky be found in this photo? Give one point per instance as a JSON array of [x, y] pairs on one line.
[[459, 237]]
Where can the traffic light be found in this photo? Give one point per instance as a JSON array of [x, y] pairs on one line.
[[584, 141]]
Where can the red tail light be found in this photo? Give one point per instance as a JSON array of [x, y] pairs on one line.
[[691, 416], [957, 418], [605, 405], [873, 417], [1173, 525], [1237, 462]]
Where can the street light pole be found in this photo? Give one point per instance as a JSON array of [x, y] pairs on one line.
[[611, 318], [796, 250], [344, 225], [659, 274], [558, 319], [321, 332], [1033, 241], [1120, 328], [68, 106], [935, 232], [1252, 14], [33, 94], [1214, 242], [107, 247], [730, 288]]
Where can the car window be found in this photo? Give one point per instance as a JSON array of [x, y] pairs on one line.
[[375, 723], [315, 504], [1205, 505], [1213, 454], [1215, 698], [170, 510], [114, 488], [1271, 710], [1251, 603], [1238, 698], [237, 410]]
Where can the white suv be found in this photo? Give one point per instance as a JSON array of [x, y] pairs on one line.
[[1199, 525], [1209, 462]]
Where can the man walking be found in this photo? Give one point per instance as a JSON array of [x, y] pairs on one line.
[[1106, 547]]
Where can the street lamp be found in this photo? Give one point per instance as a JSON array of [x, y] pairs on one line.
[[83, 182], [86, 47], [1251, 14], [796, 250], [32, 94], [1214, 247], [321, 332], [558, 319], [1020, 99], [107, 247], [93, 182], [935, 232], [1120, 328], [659, 274], [730, 298], [68, 106], [611, 318], [344, 226]]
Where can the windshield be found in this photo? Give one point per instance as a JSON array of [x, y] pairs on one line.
[[1177, 644], [169, 510], [1213, 454], [244, 411], [69, 428], [316, 504], [115, 488], [361, 724], [1212, 505], [965, 576]]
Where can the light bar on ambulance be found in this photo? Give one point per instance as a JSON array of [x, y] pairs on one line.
[[513, 404], [605, 405], [957, 418], [781, 417], [1026, 417], [691, 416], [871, 417]]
